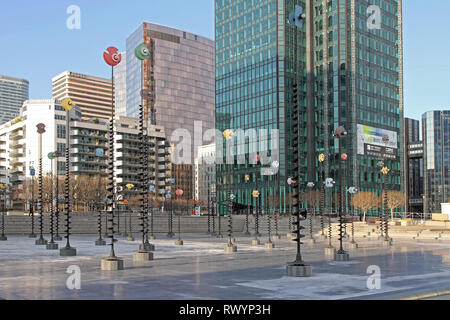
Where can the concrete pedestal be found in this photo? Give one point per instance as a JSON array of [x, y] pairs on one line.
[[289, 235], [100, 243], [3, 238], [269, 245], [151, 237], [179, 242], [52, 246], [276, 237], [330, 251], [298, 271], [147, 247], [130, 238], [67, 252], [230, 248], [387, 243], [310, 241], [58, 238], [41, 242], [341, 256], [256, 242], [142, 256], [112, 264], [353, 245]]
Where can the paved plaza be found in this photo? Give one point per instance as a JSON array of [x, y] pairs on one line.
[[201, 270]]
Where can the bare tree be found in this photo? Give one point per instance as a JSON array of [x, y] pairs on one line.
[[395, 199], [312, 198], [366, 201]]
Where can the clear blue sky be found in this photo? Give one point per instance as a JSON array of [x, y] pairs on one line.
[[36, 45]]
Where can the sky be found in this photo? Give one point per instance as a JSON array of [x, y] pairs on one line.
[[35, 43]]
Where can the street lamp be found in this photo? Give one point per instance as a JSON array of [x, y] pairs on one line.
[[32, 174], [341, 254]]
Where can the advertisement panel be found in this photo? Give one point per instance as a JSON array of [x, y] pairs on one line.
[[370, 142]]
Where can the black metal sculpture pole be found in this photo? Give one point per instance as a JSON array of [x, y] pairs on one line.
[[52, 245], [209, 201], [3, 236], [68, 251], [219, 235], [32, 173], [230, 247], [213, 213], [57, 236], [99, 241], [41, 241], [247, 212]]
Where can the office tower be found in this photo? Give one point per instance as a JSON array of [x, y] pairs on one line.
[[436, 140], [120, 86], [413, 147], [205, 171], [13, 92], [348, 71], [92, 94], [178, 82]]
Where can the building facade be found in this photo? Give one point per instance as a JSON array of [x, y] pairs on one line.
[[93, 95], [178, 80], [349, 73], [205, 171], [120, 86], [13, 92], [436, 140]]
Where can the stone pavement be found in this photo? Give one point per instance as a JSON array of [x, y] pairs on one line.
[[200, 270]]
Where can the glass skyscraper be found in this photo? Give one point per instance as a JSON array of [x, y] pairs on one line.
[[13, 93], [436, 139], [350, 74]]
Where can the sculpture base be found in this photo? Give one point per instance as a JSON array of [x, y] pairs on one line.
[[112, 264], [256, 242], [387, 243], [142, 255], [179, 242], [341, 256], [52, 246], [289, 235], [276, 237], [269, 245], [100, 242], [330, 251], [147, 247], [58, 238], [151, 237], [41, 242], [130, 238], [303, 271], [3, 238], [230, 248], [68, 252]]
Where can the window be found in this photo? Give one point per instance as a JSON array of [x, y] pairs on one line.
[[61, 131]]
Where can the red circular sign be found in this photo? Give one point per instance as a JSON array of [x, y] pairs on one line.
[[344, 156], [179, 192]]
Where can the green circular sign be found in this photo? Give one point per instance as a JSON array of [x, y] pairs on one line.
[[142, 52], [51, 155]]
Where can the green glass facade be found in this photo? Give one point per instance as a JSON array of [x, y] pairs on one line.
[[349, 74]]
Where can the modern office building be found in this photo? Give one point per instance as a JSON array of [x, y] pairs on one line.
[[205, 171], [92, 94], [349, 73], [120, 86], [413, 147], [13, 92], [436, 140], [178, 80]]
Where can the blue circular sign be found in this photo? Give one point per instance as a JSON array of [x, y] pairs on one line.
[[32, 172], [99, 152]]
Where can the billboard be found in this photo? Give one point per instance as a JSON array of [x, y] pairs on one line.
[[370, 142]]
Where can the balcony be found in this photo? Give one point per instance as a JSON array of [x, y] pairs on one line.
[[16, 136]]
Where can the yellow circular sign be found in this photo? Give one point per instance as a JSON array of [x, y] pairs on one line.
[[68, 104], [385, 170], [255, 194], [247, 177], [321, 157]]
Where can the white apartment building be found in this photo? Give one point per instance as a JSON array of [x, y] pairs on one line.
[[205, 162]]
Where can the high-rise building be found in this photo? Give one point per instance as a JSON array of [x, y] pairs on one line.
[[120, 86], [413, 147], [348, 71], [205, 171], [436, 140], [92, 94], [13, 92], [178, 85]]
